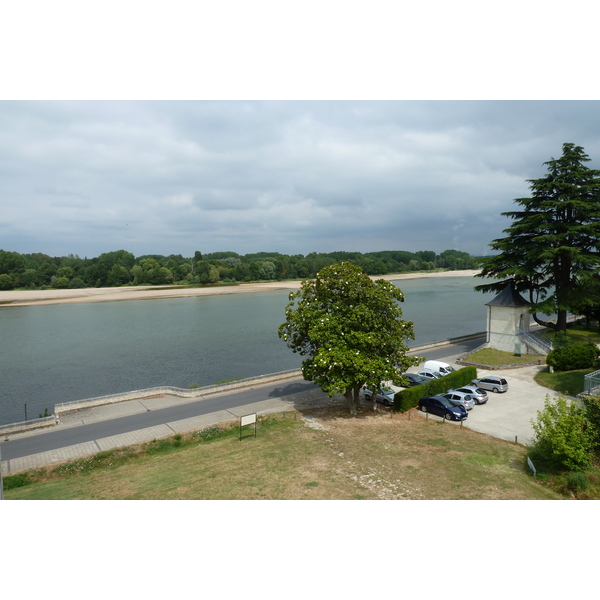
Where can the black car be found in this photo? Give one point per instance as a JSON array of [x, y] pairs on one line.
[[414, 379], [438, 405]]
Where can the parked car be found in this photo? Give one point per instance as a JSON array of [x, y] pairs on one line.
[[414, 379], [460, 399], [496, 384], [479, 396], [429, 375], [438, 366], [385, 395], [438, 405]]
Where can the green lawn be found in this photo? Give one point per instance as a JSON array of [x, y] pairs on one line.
[[498, 358], [372, 456]]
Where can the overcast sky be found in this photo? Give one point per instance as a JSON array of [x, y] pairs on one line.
[[113, 134], [173, 177]]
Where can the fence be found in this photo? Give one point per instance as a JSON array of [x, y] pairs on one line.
[[591, 383]]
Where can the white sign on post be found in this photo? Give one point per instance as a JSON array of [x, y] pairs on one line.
[[247, 420]]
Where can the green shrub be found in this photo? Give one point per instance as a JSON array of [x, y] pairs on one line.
[[562, 436], [16, 481], [578, 481], [592, 413], [573, 356]]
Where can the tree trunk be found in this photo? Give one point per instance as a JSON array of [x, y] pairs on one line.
[[351, 398], [374, 401], [548, 324]]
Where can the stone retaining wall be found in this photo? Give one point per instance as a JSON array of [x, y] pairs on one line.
[[28, 425], [69, 407]]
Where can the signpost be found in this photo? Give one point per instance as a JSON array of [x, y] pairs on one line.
[[247, 420]]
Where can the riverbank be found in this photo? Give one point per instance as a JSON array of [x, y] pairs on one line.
[[41, 297]]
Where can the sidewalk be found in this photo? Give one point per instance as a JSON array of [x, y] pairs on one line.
[[507, 416], [107, 412]]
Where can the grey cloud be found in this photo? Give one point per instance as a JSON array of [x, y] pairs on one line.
[[295, 177]]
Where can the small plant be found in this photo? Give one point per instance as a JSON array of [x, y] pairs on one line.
[[16, 481], [210, 433], [578, 481], [46, 414]]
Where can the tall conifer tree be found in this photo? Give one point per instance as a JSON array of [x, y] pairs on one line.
[[552, 247]]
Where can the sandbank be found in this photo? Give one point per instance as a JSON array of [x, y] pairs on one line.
[[39, 297]]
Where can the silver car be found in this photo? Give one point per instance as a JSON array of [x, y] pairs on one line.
[[430, 374], [491, 382], [385, 395], [480, 396], [460, 399]]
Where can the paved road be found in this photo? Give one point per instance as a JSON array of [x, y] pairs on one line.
[[93, 430], [507, 416]]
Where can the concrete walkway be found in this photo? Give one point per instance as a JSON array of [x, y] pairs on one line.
[[132, 407], [507, 416]]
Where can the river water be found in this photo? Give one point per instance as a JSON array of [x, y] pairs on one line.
[[60, 353]]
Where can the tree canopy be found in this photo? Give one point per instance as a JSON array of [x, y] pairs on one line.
[[40, 271], [552, 247], [350, 330]]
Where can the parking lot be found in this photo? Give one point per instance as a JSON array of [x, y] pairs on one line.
[[507, 415]]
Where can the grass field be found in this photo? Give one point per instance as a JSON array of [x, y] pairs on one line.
[[328, 456], [498, 358]]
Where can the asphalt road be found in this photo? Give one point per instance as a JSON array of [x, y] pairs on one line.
[[51, 440], [293, 391]]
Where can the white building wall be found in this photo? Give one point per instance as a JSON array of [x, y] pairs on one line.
[[504, 324]]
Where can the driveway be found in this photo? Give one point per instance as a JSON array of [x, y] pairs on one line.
[[508, 415]]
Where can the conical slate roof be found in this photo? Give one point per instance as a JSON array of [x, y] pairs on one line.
[[508, 297]]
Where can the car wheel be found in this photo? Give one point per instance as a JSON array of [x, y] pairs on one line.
[[495, 390], [386, 403], [423, 408]]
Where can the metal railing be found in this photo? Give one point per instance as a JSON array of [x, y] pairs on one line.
[[591, 383], [535, 342]]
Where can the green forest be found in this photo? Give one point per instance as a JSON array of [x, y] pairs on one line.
[[122, 268]]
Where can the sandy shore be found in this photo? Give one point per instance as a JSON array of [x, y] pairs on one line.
[[38, 297]]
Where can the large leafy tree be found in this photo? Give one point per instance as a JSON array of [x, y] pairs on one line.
[[350, 329], [551, 250]]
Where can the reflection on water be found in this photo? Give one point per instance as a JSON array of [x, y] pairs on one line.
[[60, 353]]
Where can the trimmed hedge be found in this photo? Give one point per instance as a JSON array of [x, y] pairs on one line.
[[409, 398]]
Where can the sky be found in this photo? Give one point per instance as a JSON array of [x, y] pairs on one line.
[[172, 177], [167, 128], [243, 127]]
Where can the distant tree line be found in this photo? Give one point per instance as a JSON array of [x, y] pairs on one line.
[[121, 268]]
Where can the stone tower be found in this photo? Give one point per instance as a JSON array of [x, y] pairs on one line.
[[508, 319]]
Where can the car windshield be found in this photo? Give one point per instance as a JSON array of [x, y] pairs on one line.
[[446, 402], [503, 381]]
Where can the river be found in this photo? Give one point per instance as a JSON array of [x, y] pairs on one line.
[[60, 353]]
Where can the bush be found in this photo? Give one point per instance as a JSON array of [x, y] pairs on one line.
[[573, 356], [16, 481], [563, 436], [578, 481]]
